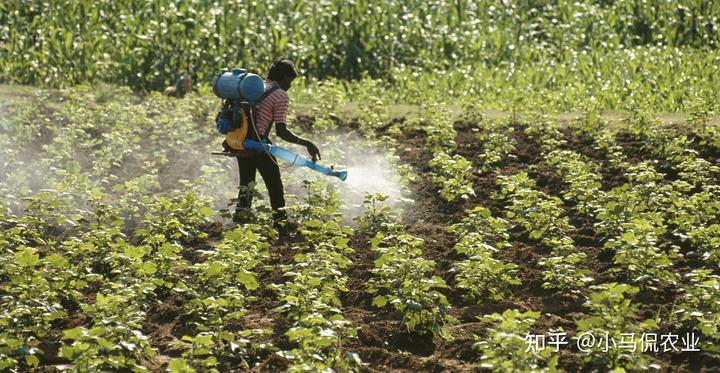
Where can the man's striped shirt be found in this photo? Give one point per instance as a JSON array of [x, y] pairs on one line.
[[274, 108]]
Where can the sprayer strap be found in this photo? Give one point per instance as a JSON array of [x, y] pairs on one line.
[[254, 109], [267, 93]]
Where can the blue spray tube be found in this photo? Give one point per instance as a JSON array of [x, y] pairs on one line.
[[292, 158]]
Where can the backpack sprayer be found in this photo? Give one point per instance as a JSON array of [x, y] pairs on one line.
[[245, 90]]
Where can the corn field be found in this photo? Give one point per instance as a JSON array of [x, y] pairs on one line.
[[144, 44]]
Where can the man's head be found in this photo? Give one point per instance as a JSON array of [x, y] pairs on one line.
[[283, 71]]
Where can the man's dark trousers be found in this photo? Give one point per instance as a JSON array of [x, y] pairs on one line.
[[266, 164]]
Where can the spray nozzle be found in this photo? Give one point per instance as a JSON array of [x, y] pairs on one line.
[[342, 175]]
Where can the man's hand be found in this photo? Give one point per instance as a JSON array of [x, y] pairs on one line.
[[314, 151]]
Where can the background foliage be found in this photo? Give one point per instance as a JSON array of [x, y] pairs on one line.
[[481, 46]]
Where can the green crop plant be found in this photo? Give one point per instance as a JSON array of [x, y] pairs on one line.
[[321, 203], [232, 260], [614, 317], [638, 256], [328, 97], [218, 296], [604, 142], [114, 339], [583, 184], [211, 350], [310, 297], [496, 141], [176, 218], [644, 196], [316, 279], [472, 243], [543, 218], [486, 278], [320, 342], [436, 121], [705, 134], [473, 114], [402, 279], [452, 174], [505, 348], [695, 219], [707, 239], [106, 347], [628, 53], [33, 291], [677, 149], [134, 196], [46, 213], [699, 310], [562, 273], [373, 117], [541, 215], [479, 220], [376, 214], [480, 236], [545, 132], [690, 167]]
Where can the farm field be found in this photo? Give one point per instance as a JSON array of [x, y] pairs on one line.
[[545, 226], [532, 186]]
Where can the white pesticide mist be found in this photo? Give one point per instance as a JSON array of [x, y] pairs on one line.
[[368, 172]]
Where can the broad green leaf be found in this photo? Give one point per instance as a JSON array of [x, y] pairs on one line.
[[247, 279], [149, 267], [57, 261], [629, 237], [214, 269], [134, 252], [179, 366], [32, 360], [380, 301], [74, 333], [27, 257]]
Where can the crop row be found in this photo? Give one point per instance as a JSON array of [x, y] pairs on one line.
[[451, 173], [688, 205], [543, 218], [666, 144], [402, 279], [480, 236], [632, 217], [310, 297], [218, 291]]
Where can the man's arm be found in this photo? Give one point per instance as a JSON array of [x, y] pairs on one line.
[[284, 133]]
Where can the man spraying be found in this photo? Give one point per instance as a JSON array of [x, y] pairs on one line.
[[272, 108]]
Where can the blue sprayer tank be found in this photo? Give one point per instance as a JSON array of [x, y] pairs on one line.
[[238, 84]]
